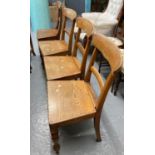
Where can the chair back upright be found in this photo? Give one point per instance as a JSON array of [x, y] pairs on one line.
[[112, 54], [68, 14], [83, 25], [114, 7], [56, 15]]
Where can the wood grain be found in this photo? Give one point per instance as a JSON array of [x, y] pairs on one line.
[[109, 50], [73, 103], [53, 47], [41, 34], [58, 67], [69, 13]]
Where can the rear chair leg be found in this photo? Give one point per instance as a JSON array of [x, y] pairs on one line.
[[55, 137], [97, 128], [118, 80]]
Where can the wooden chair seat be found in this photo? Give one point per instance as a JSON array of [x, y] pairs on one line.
[[58, 67], [54, 47], [50, 33], [75, 102]]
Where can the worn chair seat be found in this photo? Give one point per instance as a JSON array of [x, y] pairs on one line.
[[77, 101], [54, 47], [58, 67], [47, 33]]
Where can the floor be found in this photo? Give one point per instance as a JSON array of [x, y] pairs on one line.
[[76, 139]]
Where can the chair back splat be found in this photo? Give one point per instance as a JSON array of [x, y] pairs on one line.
[[68, 14], [87, 27], [59, 14], [112, 54]]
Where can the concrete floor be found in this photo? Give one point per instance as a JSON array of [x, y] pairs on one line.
[[76, 139]]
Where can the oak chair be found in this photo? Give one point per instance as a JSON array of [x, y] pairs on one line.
[[75, 100], [61, 47], [69, 67], [56, 16]]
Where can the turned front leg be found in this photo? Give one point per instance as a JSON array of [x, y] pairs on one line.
[[55, 137]]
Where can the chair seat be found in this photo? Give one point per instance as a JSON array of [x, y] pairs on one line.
[[116, 41], [69, 100], [53, 47], [41, 34], [58, 67]]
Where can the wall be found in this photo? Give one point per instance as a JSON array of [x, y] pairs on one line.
[[87, 5], [39, 13], [40, 19], [79, 5]]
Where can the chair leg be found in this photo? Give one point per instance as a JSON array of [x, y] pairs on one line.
[[100, 64], [33, 52], [30, 69], [97, 127], [32, 49], [118, 80], [112, 86], [55, 137]]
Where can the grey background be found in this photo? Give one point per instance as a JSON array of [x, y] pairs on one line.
[[78, 5]]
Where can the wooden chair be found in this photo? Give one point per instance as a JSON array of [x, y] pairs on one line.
[[70, 101], [53, 33], [69, 67], [60, 47]]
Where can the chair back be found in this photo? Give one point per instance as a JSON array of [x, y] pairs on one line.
[[114, 7], [83, 25], [56, 15], [113, 55], [54, 11], [68, 15]]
